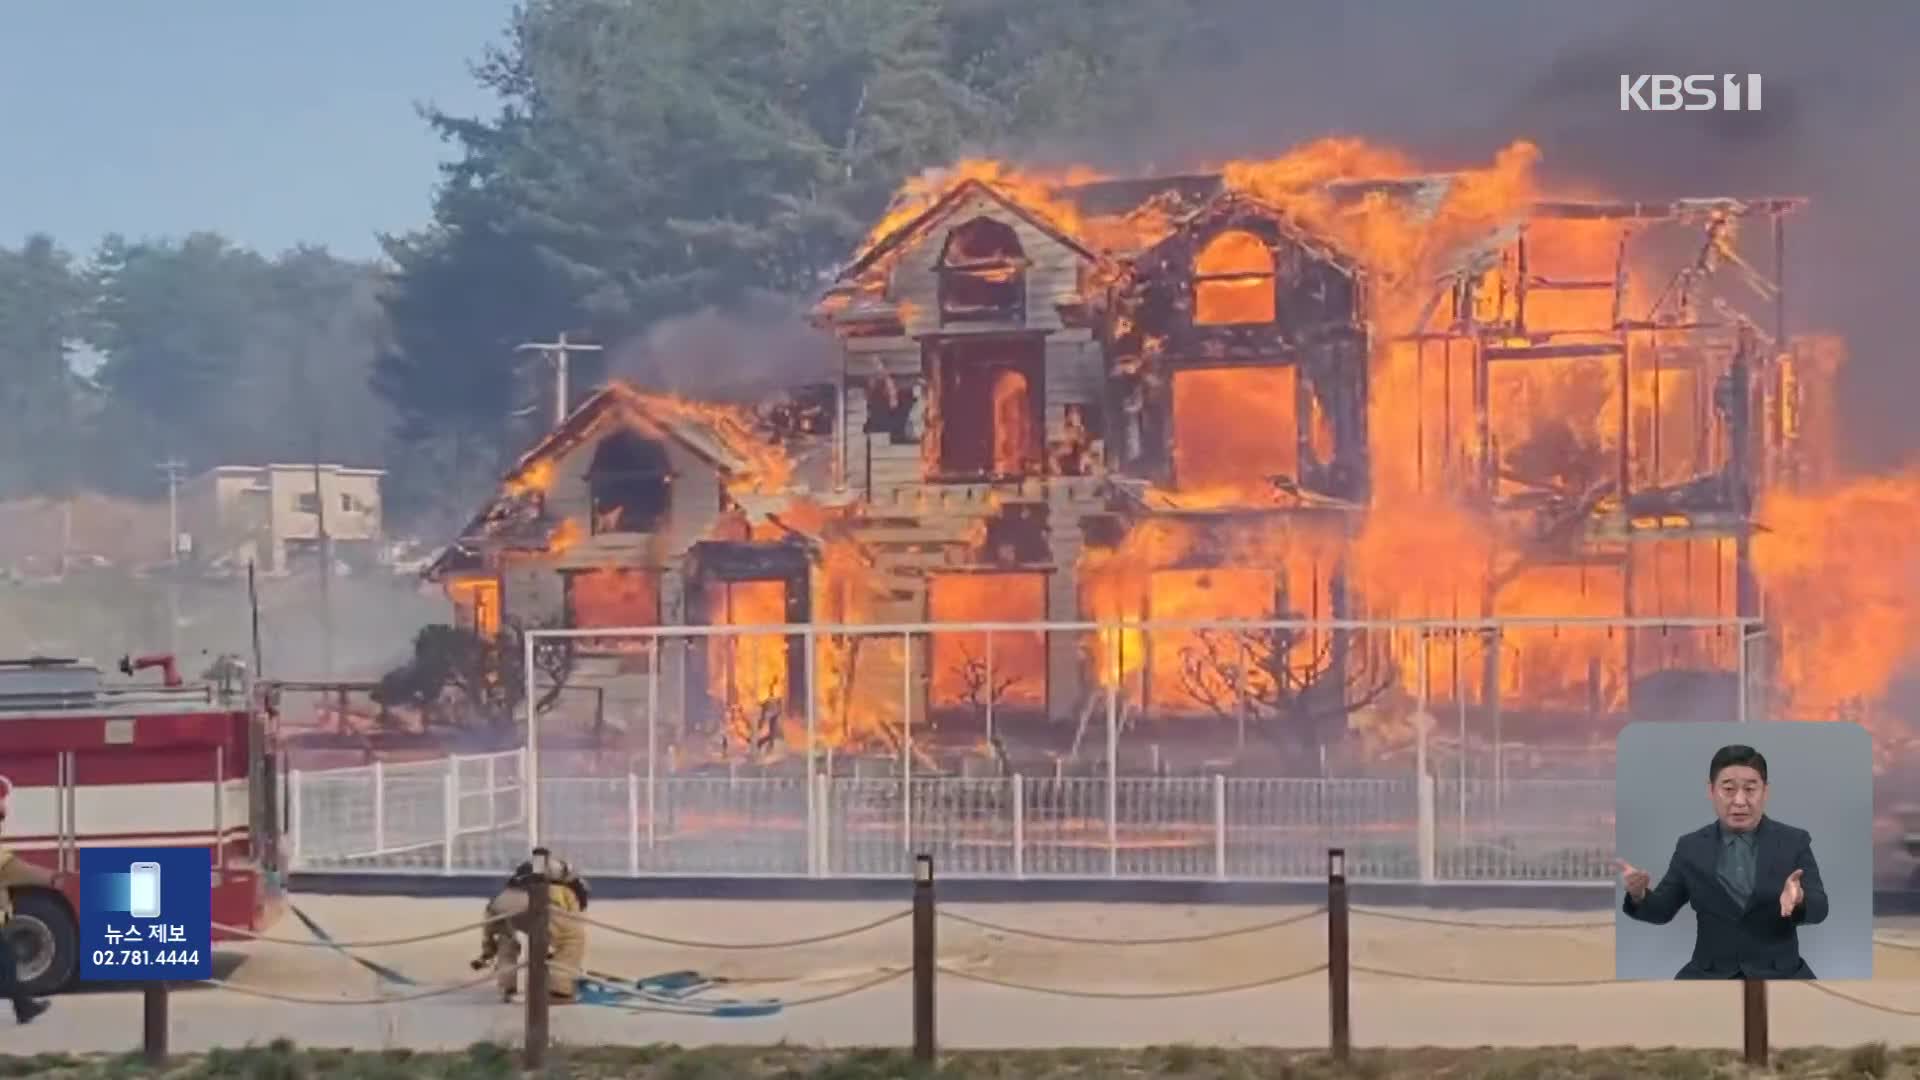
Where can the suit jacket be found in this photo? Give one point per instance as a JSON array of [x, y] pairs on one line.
[[1739, 941]]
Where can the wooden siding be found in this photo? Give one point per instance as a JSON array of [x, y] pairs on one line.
[[1053, 276]]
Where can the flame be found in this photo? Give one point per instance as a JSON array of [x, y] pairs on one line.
[[747, 673], [565, 535], [1843, 586], [970, 671], [727, 428], [1034, 191], [537, 477]]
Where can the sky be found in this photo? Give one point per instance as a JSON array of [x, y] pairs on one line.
[[275, 124]]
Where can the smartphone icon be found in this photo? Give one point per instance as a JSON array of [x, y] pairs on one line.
[[143, 893]]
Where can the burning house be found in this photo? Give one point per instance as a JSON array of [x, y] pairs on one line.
[[1285, 390]]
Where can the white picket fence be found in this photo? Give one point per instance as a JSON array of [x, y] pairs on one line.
[[468, 814]]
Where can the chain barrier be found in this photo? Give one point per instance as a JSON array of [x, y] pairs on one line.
[[376, 943], [1892, 1010], [298, 999], [1147, 995], [1186, 939], [1467, 924], [737, 946], [1463, 980]]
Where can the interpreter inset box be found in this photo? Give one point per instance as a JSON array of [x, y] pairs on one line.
[[1745, 850]]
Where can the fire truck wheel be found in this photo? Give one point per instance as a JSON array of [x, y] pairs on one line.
[[44, 940]]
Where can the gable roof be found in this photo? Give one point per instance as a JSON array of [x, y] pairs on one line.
[[701, 436], [944, 205], [1230, 202], [708, 434]]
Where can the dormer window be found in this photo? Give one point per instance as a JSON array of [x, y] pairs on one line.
[[630, 482], [983, 274], [1233, 281]]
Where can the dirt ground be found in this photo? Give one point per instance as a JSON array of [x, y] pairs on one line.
[[1387, 1011]]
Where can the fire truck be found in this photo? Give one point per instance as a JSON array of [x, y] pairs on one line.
[[89, 762]]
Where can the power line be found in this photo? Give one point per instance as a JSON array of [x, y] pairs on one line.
[[557, 353]]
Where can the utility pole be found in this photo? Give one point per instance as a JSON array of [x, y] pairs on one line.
[[173, 467], [556, 353], [326, 569]]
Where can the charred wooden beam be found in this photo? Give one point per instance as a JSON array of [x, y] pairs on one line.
[[1552, 352], [1675, 210]]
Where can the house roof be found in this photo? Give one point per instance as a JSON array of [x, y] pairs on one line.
[[1234, 202], [699, 430], [940, 207], [708, 433]]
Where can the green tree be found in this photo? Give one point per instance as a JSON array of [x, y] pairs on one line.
[[43, 311], [218, 355]]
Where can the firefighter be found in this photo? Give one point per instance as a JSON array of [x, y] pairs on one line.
[[500, 937], [567, 895], [15, 871]]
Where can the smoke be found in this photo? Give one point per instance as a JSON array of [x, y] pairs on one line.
[[1455, 82], [735, 354]]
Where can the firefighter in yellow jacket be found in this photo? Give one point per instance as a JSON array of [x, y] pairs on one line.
[[506, 920], [566, 934], [567, 895]]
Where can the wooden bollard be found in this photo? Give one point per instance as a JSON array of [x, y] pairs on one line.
[[1753, 995], [1338, 977], [539, 976], [925, 957], [153, 1041]]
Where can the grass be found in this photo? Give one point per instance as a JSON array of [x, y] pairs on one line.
[[281, 1060]]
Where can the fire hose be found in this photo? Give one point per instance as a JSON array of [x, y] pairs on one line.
[[677, 992]]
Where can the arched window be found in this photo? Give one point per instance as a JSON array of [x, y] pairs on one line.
[[630, 482], [983, 273], [1233, 281]]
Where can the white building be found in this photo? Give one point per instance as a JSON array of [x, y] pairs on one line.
[[273, 514]]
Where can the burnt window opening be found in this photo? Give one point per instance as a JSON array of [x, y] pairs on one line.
[[990, 414], [983, 274], [893, 409], [1233, 281], [630, 483]]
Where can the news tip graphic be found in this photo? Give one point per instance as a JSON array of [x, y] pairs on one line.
[[146, 914]]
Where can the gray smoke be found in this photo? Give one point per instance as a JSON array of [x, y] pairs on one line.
[[737, 354]]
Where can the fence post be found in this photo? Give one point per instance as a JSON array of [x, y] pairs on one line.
[[493, 793], [450, 802], [924, 959], [1337, 974], [633, 820], [823, 825], [292, 823], [1754, 1010], [1427, 842], [153, 1043], [1220, 826], [1019, 826], [539, 976], [379, 807]]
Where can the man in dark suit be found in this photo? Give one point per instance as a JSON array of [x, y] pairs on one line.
[[1752, 881]]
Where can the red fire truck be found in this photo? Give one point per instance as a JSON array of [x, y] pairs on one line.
[[89, 763]]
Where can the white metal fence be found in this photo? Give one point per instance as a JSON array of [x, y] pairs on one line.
[[404, 814], [446, 817]]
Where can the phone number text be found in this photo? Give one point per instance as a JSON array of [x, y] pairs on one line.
[[144, 957]]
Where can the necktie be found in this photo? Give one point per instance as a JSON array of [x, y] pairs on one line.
[[1736, 868]]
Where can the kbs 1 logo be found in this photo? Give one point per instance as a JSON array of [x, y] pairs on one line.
[[1693, 93]]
